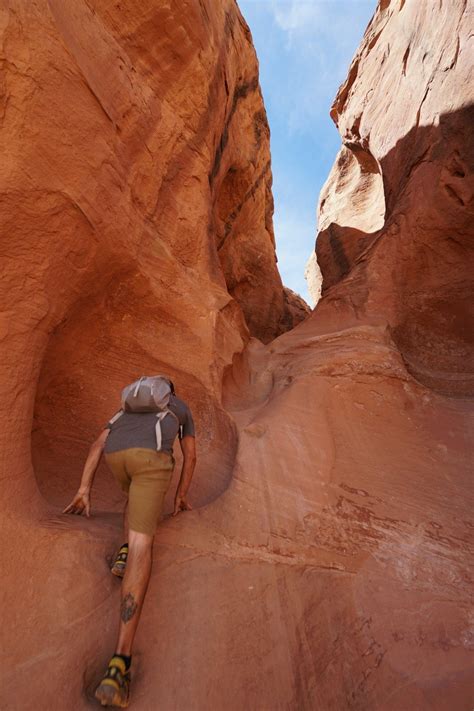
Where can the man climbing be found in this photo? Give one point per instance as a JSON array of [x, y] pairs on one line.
[[138, 446]]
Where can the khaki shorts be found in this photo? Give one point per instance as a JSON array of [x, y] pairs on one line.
[[145, 475]]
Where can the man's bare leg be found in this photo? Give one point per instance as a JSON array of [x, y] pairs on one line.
[[113, 690], [134, 587]]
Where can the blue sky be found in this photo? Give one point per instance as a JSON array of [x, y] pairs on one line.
[[304, 49]]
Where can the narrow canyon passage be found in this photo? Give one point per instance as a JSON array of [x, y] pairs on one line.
[[328, 561]]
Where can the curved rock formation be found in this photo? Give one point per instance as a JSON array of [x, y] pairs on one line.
[[396, 213], [327, 563], [137, 236], [136, 203]]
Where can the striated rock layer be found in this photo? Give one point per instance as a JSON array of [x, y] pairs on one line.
[[328, 561]]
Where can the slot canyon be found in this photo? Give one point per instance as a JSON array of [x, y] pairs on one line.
[[327, 563]]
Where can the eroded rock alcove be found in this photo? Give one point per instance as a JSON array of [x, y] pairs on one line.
[[327, 563]]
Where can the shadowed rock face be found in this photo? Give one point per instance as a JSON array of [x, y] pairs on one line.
[[397, 211], [327, 563]]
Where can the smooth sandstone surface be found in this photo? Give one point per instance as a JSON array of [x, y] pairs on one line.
[[327, 563], [137, 237], [136, 220]]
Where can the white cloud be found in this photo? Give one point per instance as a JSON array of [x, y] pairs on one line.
[[296, 15], [317, 41]]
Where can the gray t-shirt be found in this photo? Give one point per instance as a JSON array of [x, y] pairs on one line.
[[137, 429]]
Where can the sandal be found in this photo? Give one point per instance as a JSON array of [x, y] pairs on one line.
[[114, 689], [120, 563]]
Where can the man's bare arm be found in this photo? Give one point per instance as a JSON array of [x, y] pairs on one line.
[[188, 448], [81, 502]]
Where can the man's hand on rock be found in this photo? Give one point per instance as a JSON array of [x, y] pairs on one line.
[[80, 504], [180, 504]]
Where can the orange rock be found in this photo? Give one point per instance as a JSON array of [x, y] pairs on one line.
[[326, 563], [396, 213], [137, 237]]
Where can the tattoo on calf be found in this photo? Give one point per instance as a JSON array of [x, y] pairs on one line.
[[128, 607]]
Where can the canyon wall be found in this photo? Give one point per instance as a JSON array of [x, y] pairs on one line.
[[137, 236], [395, 216], [136, 214], [327, 563]]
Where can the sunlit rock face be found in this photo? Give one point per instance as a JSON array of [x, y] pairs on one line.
[[314, 278], [136, 213], [396, 213], [326, 563], [137, 237]]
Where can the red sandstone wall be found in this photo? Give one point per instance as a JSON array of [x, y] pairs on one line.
[[136, 236], [136, 217], [328, 561], [396, 240]]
